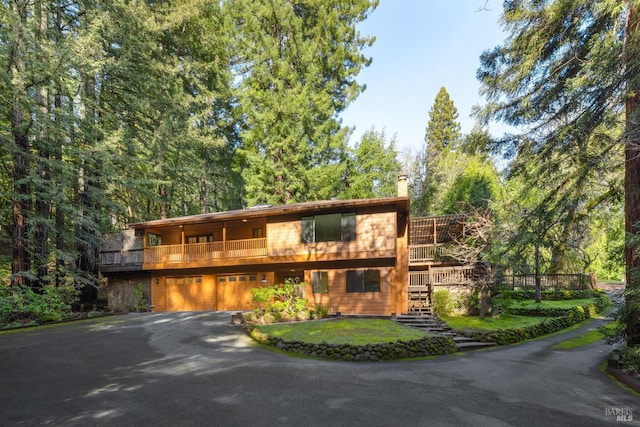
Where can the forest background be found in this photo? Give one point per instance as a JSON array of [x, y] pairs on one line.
[[121, 111]]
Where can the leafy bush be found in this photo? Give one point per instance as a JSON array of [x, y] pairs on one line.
[[443, 303], [630, 358], [320, 311], [138, 294], [502, 301], [278, 303], [22, 304]]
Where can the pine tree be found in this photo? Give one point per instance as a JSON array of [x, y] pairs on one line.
[[375, 167], [438, 166], [296, 64], [564, 75]]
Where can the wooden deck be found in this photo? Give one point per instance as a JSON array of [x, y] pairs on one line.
[[210, 251]]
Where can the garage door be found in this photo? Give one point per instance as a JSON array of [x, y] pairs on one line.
[[187, 294], [234, 292]]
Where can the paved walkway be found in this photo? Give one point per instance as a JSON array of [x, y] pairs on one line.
[[195, 369]]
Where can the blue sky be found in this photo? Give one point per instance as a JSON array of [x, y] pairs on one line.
[[422, 45]]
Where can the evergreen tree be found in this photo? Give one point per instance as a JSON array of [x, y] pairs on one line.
[[375, 168], [295, 64], [566, 73], [443, 129], [439, 165]]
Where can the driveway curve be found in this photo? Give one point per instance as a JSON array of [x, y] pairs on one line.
[[196, 369]]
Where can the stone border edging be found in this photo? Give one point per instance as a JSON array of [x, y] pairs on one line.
[[427, 346]]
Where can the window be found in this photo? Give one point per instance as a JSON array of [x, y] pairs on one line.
[[243, 278], [363, 281], [252, 278], [329, 228], [320, 282], [257, 233], [199, 239]]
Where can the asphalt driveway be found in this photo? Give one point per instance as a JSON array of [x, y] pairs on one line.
[[195, 369]]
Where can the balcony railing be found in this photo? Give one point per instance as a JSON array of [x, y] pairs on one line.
[[121, 260], [420, 254], [444, 276], [210, 251]]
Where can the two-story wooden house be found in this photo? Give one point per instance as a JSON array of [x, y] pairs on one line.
[[351, 254], [355, 256]]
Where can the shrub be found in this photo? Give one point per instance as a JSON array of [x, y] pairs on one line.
[[442, 302], [278, 302], [320, 311], [22, 304], [138, 294], [503, 300], [630, 358]]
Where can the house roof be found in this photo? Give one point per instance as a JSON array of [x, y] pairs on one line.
[[262, 211]]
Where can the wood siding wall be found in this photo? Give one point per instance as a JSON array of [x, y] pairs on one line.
[[338, 300], [375, 237]]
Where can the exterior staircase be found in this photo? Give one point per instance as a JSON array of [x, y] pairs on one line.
[[432, 324]]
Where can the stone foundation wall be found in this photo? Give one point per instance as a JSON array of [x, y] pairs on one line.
[[120, 291]]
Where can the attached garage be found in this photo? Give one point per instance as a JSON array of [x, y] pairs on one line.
[[183, 293], [234, 293], [206, 292]]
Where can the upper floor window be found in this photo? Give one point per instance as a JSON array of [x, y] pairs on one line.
[[329, 228]]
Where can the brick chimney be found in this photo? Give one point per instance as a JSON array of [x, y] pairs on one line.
[[402, 186]]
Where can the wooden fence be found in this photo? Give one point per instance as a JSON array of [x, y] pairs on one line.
[[548, 281]]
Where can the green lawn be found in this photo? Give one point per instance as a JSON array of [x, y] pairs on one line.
[[343, 331], [592, 336], [561, 304], [504, 321]]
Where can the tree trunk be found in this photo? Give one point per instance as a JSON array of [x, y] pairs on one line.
[[19, 160], [632, 162], [538, 286], [20, 262]]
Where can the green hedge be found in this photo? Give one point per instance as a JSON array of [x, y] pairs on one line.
[[427, 346], [558, 295], [570, 318], [601, 302]]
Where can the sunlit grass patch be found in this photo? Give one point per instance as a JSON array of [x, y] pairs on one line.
[[504, 321], [548, 304], [343, 331], [589, 337]]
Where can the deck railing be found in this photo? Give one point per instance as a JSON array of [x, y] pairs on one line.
[[444, 276], [121, 260], [194, 252], [547, 281], [419, 254]]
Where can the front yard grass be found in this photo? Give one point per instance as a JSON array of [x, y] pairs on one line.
[[342, 331], [552, 304], [590, 337], [504, 321]]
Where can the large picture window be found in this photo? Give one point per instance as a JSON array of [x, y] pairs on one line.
[[329, 228], [363, 281], [320, 282]]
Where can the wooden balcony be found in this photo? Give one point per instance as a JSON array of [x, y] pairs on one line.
[[443, 276], [205, 252], [121, 260], [428, 254]]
